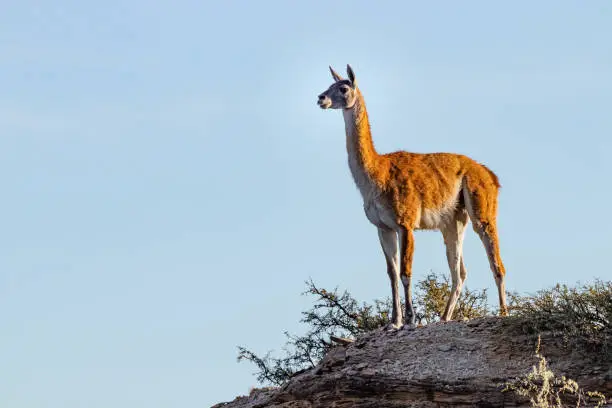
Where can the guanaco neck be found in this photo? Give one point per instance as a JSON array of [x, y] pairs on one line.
[[364, 161]]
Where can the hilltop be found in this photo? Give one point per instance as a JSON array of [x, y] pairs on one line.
[[453, 364]]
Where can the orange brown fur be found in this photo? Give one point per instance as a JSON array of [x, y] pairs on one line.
[[415, 181]]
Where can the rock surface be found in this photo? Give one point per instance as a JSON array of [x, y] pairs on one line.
[[455, 364]]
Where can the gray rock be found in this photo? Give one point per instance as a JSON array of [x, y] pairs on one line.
[[455, 364]]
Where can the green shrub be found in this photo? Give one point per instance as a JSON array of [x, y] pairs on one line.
[[581, 316]]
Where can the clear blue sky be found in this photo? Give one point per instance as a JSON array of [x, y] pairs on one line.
[[168, 182]]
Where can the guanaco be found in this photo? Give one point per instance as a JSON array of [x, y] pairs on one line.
[[404, 191]]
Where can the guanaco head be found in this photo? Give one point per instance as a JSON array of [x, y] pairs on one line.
[[342, 94]]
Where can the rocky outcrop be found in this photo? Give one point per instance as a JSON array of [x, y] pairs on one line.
[[454, 364]]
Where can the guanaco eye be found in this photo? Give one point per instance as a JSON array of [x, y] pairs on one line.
[[344, 89]]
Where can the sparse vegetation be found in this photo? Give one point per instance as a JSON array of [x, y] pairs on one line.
[[581, 316], [544, 389]]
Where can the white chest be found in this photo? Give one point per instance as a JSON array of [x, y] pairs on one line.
[[362, 180], [377, 210]]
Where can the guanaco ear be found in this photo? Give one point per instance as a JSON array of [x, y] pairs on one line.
[[335, 75], [351, 75]]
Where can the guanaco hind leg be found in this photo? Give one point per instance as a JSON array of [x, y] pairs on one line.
[[488, 236], [453, 239], [482, 211]]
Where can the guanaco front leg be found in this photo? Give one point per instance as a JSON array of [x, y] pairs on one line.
[[406, 240], [388, 241]]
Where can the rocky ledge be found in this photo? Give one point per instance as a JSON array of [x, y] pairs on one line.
[[454, 364]]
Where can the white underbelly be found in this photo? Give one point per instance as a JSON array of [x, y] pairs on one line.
[[439, 218], [435, 218], [382, 215]]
